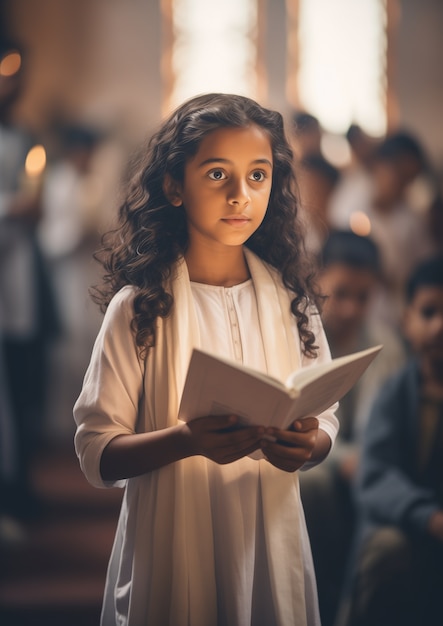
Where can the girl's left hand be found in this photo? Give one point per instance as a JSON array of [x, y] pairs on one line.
[[293, 447]]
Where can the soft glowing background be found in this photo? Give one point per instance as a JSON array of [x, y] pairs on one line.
[[343, 62], [214, 47]]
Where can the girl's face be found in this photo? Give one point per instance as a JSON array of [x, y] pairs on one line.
[[226, 187]]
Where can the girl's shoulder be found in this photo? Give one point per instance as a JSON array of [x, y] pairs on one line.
[[125, 295], [256, 263], [122, 303]]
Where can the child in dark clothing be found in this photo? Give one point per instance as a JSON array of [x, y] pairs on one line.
[[399, 576]]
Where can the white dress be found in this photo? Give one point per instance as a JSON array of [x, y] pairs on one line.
[[245, 553], [229, 327]]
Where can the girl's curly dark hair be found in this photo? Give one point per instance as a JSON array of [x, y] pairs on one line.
[[152, 234]]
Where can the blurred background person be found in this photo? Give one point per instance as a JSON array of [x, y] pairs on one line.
[[362, 146], [28, 315], [376, 202], [317, 179], [305, 135], [399, 565], [349, 272], [68, 194], [68, 232]]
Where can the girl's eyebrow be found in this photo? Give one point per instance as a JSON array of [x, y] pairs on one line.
[[263, 161]]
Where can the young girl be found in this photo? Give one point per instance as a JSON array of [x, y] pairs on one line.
[[207, 254]]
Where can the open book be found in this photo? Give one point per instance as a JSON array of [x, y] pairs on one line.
[[216, 386]]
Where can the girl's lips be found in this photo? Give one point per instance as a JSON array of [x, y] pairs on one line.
[[236, 222]]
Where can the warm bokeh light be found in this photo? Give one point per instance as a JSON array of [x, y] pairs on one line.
[[360, 223], [35, 161], [10, 63]]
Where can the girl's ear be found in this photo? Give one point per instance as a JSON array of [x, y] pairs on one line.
[[172, 190]]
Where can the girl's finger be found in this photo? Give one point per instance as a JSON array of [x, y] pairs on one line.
[[307, 423]]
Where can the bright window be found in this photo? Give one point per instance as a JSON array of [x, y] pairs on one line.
[[342, 63], [214, 47]]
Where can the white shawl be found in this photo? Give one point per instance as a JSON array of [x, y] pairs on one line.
[[162, 569]]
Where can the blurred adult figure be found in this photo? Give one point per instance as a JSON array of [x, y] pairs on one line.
[[27, 314], [69, 234], [68, 192]]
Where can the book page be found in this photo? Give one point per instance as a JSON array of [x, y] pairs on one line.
[[347, 363], [322, 386], [217, 386]]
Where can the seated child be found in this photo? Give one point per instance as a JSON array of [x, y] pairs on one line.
[[348, 278], [399, 560]]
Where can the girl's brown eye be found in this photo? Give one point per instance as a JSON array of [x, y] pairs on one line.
[[217, 175], [258, 176]]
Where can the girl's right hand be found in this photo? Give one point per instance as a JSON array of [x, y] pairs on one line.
[[220, 439]]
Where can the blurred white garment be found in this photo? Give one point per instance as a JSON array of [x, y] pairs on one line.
[[63, 199], [68, 199]]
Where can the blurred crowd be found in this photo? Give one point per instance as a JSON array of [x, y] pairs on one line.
[[58, 189], [372, 225], [374, 508]]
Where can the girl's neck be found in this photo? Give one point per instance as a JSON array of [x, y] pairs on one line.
[[224, 270]]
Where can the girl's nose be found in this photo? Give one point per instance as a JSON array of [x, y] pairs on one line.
[[238, 193]]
